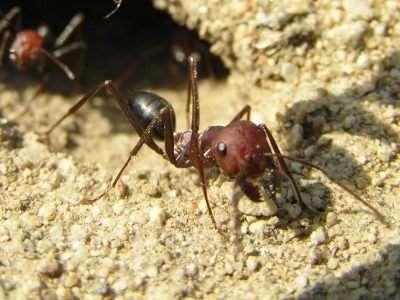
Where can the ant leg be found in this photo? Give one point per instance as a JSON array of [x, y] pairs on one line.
[[188, 100], [280, 162], [244, 111], [69, 48], [117, 6], [3, 46], [195, 154], [79, 63], [6, 20], [147, 135], [63, 67], [73, 24], [37, 92], [345, 188], [109, 86]]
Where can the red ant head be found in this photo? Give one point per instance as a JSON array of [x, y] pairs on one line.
[[240, 148], [26, 48]]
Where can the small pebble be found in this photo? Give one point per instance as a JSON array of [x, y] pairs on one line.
[[319, 236], [71, 280], [331, 219], [363, 61], [358, 9], [258, 227], [120, 286], [47, 211], [332, 264], [151, 190], [157, 215], [253, 263], [50, 268], [119, 207], [289, 72], [191, 270], [65, 167], [301, 282], [122, 189], [343, 244]]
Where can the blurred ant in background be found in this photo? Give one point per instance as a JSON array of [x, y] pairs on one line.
[[32, 48]]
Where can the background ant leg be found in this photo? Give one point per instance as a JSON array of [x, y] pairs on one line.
[[3, 45], [246, 110], [37, 92], [195, 154], [109, 86], [63, 67], [6, 20], [281, 164], [60, 52], [74, 46], [73, 24]]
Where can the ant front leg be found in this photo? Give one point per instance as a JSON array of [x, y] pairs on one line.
[[281, 164]]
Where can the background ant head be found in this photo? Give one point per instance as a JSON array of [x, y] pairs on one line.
[[26, 48]]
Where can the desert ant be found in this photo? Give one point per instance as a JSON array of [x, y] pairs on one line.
[[28, 46], [242, 150]]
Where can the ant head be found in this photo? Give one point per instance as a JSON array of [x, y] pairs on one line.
[[239, 148], [26, 48]]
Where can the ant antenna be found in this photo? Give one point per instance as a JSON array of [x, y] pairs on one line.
[[117, 6]]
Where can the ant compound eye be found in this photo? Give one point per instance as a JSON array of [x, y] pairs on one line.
[[222, 148]]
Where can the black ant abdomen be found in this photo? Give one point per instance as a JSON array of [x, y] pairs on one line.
[[146, 106]]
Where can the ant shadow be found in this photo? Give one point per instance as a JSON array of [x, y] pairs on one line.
[[382, 279], [331, 113]]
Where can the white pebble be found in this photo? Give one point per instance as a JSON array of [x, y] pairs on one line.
[[331, 219], [358, 9], [120, 286], [253, 263], [157, 215], [65, 167], [332, 264], [363, 61], [191, 270], [258, 227], [47, 211], [319, 236], [301, 282], [289, 72]]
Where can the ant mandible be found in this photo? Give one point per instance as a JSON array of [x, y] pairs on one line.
[[28, 46], [241, 149]]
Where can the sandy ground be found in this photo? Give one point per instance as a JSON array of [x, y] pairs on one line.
[[330, 93]]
